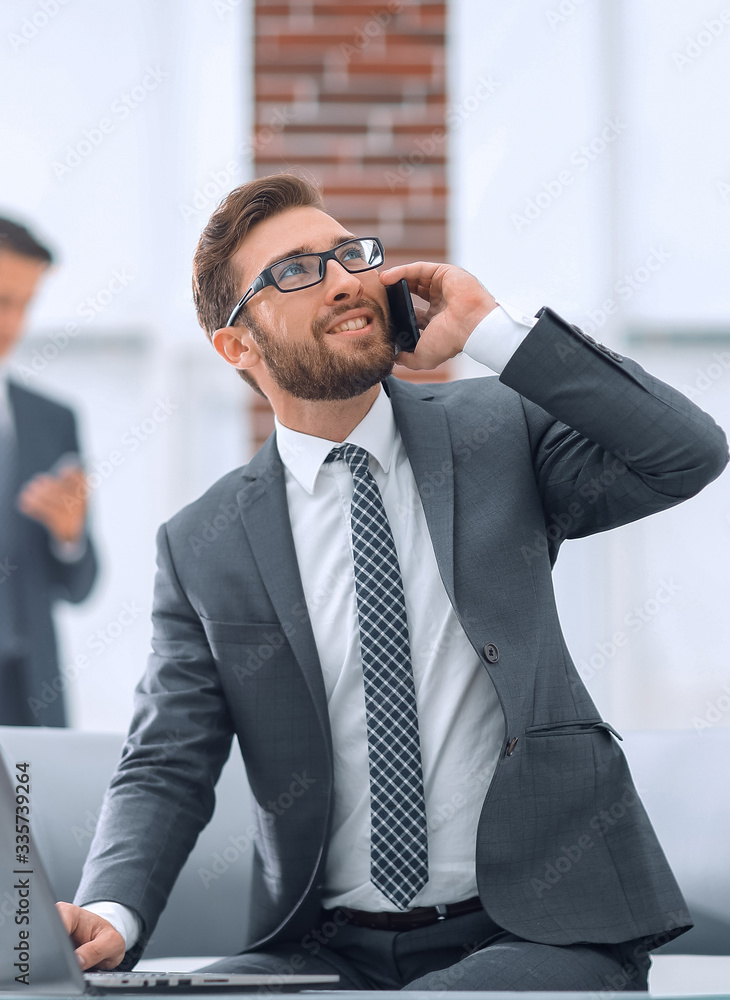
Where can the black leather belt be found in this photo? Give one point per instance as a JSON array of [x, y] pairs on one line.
[[420, 916]]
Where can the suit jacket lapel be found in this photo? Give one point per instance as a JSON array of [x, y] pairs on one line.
[[424, 428], [265, 513]]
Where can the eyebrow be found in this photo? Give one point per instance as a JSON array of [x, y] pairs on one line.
[[306, 248]]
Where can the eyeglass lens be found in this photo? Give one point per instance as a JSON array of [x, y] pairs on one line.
[[308, 269]]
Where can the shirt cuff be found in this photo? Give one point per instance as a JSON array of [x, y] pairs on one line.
[[120, 917], [495, 339], [69, 552]]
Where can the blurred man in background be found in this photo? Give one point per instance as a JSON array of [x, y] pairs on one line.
[[45, 551]]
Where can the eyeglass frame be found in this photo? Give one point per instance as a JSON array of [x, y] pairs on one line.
[[266, 278]]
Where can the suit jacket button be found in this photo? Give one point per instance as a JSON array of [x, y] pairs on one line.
[[585, 336], [491, 652], [609, 352]]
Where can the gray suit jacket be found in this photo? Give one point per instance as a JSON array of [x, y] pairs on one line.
[[571, 439], [30, 692]]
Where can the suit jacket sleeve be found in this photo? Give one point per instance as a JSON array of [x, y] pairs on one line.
[[610, 443], [162, 792]]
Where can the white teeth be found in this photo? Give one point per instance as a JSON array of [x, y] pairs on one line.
[[353, 324]]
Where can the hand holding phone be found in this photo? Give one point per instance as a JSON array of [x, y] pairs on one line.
[[404, 326], [457, 303], [58, 498]]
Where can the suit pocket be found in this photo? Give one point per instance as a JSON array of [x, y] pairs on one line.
[[243, 633], [243, 649], [572, 727]]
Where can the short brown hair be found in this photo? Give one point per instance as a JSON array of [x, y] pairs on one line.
[[215, 285]]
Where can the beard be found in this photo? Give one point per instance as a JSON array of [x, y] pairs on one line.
[[314, 371]]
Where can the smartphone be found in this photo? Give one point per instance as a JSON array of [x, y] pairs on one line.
[[69, 460], [404, 328]]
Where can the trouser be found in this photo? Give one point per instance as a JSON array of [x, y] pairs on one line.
[[468, 952]]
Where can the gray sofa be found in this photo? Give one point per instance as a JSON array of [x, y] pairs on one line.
[[206, 912], [683, 777]]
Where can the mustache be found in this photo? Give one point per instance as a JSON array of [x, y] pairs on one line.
[[320, 326]]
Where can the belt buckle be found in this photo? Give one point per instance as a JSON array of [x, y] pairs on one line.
[[441, 911]]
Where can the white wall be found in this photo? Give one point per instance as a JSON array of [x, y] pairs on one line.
[[118, 125], [627, 238]]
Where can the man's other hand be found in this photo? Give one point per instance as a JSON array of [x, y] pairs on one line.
[[457, 303], [98, 945], [58, 502]]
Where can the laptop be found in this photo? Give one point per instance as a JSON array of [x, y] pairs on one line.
[[36, 954]]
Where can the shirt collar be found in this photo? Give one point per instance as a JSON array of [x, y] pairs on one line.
[[304, 454]]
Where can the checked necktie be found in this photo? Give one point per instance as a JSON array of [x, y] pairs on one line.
[[398, 837]]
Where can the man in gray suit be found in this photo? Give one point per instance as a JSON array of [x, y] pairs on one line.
[[510, 850], [46, 554]]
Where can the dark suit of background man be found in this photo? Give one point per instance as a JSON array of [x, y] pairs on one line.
[[45, 552], [258, 634]]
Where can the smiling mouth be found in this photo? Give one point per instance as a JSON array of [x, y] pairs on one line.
[[352, 325]]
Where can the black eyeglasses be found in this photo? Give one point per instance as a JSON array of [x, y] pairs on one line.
[[306, 269]]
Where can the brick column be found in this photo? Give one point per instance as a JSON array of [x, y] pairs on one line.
[[354, 93]]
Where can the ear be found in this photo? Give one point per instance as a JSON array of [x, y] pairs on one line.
[[236, 346]]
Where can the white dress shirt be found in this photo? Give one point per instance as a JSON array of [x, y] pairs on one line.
[[460, 721]]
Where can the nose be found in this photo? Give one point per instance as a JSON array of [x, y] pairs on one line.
[[340, 285]]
